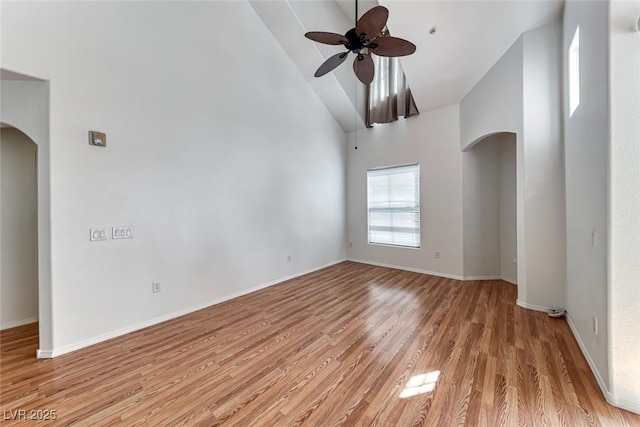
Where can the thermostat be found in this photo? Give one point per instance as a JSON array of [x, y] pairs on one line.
[[98, 139]]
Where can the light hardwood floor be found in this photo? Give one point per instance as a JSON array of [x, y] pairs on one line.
[[351, 344]]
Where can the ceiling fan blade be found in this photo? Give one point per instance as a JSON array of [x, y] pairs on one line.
[[331, 63], [372, 22], [393, 46], [364, 68], [326, 38]]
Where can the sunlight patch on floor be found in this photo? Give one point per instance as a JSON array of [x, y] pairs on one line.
[[420, 384]]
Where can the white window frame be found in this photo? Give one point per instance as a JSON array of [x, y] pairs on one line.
[[403, 209]]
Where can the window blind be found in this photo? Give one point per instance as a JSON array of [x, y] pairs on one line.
[[393, 203]]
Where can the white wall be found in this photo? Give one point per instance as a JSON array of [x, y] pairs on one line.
[[18, 235], [432, 139], [544, 211], [221, 158], [508, 214], [624, 197], [495, 103], [586, 135]]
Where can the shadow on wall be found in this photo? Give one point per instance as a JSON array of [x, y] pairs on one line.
[[489, 208]]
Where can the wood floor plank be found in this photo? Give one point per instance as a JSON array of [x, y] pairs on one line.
[[348, 345]]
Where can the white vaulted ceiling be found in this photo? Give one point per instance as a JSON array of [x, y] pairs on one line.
[[471, 36]]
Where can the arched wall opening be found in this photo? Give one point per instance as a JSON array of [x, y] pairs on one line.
[[490, 208], [18, 229], [25, 106]]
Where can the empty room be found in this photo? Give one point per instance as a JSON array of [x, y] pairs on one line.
[[320, 213]]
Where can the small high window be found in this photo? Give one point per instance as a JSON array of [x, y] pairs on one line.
[[574, 72], [389, 95]]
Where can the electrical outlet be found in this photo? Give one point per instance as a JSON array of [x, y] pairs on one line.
[[437, 254], [155, 287], [593, 238]]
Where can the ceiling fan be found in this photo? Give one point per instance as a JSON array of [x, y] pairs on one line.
[[367, 35]]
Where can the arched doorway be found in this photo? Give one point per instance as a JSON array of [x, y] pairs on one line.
[[490, 208], [25, 106], [18, 229]]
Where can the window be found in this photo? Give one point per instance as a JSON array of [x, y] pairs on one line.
[[389, 96], [393, 202], [574, 72]]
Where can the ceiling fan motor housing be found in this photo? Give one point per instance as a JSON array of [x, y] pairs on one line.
[[355, 43]]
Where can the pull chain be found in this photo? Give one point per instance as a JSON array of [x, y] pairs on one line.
[[355, 91], [355, 113]]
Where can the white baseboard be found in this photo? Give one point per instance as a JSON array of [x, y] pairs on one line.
[[414, 270], [482, 278], [429, 272], [44, 354], [47, 354], [624, 404], [534, 307], [610, 398], [512, 281], [16, 323]]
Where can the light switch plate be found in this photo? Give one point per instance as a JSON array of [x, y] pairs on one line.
[[97, 139], [97, 234], [122, 233]]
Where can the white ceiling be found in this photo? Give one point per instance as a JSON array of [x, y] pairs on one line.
[[471, 36]]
